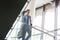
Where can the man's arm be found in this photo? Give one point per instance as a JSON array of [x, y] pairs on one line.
[[23, 19], [30, 21]]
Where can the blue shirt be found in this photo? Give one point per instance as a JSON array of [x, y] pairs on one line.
[[26, 19]]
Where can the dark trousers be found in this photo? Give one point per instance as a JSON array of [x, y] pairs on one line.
[[28, 30]]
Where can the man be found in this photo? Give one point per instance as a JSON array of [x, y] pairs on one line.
[[26, 27]]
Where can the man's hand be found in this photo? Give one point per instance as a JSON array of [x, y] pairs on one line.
[[31, 24]]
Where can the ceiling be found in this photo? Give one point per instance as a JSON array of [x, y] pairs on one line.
[[41, 2]]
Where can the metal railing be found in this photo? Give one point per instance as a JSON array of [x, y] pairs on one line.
[[39, 31]]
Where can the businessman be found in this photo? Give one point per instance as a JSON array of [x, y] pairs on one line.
[[26, 27]]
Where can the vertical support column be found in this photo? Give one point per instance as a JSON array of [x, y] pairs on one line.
[[43, 19], [55, 21]]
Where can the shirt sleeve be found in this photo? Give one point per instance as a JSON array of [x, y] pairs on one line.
[[30, 21], [23, 19]]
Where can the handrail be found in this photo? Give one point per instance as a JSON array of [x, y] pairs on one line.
[[40, 31], [43, 32], [54, 30], [45, 29], [36, 34]]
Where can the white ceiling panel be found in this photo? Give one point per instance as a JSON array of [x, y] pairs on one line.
[[39, 3]]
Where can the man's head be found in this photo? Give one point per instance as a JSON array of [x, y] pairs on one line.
[[27, 11]]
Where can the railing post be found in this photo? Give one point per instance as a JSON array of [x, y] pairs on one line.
[[55, 19], [43, 19]]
